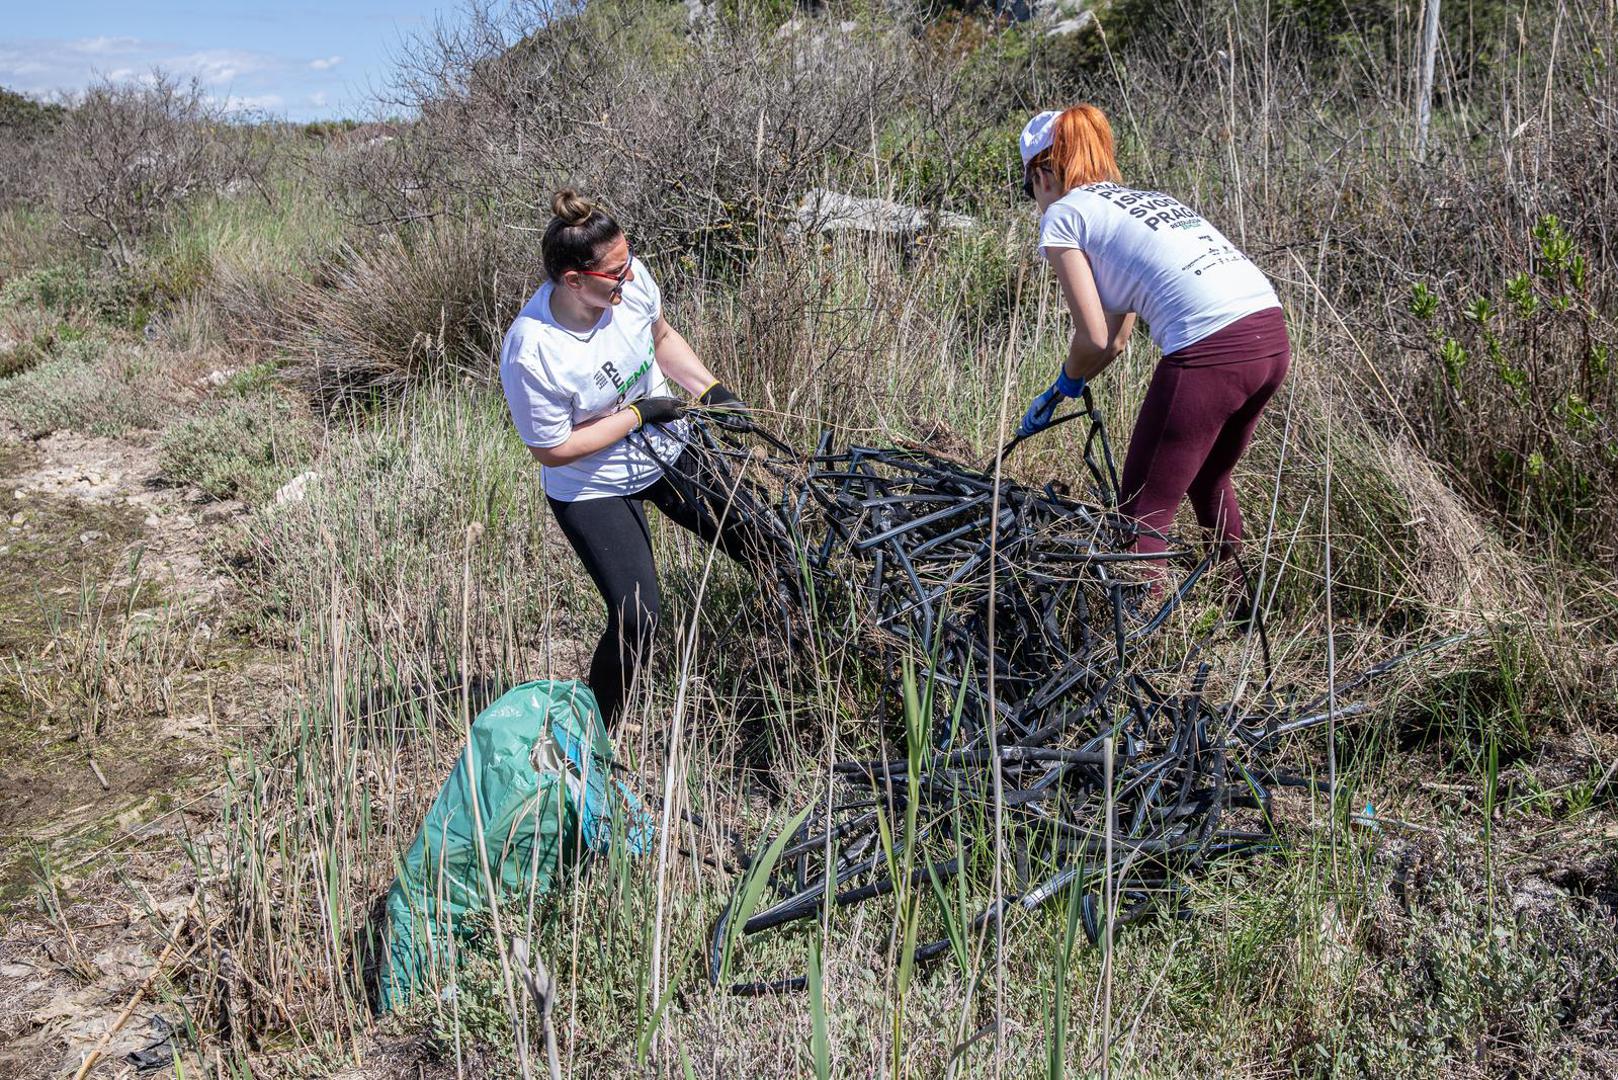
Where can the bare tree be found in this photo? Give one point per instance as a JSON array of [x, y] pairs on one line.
[[126, 154]]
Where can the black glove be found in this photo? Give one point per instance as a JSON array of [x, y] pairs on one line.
[[729, 410], [719, 396], [656, 410]]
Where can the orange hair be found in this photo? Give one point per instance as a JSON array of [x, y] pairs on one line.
[[1081, 149]]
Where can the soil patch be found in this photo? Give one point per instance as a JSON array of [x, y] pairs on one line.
[[92, 867]]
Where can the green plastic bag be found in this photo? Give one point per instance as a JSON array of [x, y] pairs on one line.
[[539, 757]]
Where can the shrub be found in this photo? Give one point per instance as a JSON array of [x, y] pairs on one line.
[[25, 125], [427, 300], [72, 291], [19, 357], [1523, 394], [242, 444], [92, 387], [705, 137], [62, 289], [41, 339], [127, 154]]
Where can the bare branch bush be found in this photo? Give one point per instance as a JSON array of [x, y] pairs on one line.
[[25, 127], [695, 137], [126, 155], [700, 138]]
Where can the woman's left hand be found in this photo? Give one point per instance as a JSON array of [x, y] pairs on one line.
[[727, 408]]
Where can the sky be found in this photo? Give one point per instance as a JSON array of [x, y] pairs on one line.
[[292, 60]]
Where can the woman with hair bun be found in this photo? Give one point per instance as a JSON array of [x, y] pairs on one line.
[[1119, 253], [586, 367]]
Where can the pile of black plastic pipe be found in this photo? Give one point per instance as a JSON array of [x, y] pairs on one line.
[[1019, 621]]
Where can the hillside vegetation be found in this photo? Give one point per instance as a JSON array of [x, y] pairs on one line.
[[255, 303]]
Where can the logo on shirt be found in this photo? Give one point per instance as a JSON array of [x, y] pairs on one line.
[[608, 375], [1152, 208]]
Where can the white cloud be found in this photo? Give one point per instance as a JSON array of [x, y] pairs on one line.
[[104, 46], [214, 67], [17, 70], [250, 102], [233, 77], [47, 65]]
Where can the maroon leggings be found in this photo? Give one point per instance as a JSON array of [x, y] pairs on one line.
[[1195, 423]]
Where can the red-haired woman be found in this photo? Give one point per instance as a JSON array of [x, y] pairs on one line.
[[1119, 253], [586, 368]]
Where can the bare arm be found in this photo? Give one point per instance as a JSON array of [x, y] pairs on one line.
[[587, 438], [678, 360], [1098, 335]]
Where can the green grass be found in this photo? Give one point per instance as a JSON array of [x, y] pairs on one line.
[[1462, 934], [243, 443], [94, 385], [1286, 965]]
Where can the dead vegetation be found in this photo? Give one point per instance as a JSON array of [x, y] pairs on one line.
[[1454, 325]]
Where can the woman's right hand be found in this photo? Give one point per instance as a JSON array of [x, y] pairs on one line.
[[1043, 410], [728, 410], [656, 410]]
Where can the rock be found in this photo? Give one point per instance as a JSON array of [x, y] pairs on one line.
[[60, 1007], [296, 489], [1535, 898], [1083, 20], [823, 211], [700, 16], [125, 961]]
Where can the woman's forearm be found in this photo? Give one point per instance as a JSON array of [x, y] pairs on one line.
[[679, 360], [1086, 358], [587, 438], [1122, 326]]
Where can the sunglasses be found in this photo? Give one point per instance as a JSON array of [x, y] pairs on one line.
[[617, 279], [1028, 180]]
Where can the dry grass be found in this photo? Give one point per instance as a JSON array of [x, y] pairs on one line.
[[1410, 950]]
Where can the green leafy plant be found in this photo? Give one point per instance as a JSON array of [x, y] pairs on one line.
[[1453, 353], [1423, 301], [239, 445]]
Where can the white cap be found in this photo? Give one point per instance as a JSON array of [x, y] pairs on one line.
[[1036, 135]]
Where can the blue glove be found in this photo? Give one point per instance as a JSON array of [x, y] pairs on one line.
[[1039, 414]]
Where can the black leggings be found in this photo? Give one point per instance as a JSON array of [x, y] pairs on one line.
[[615, 544]]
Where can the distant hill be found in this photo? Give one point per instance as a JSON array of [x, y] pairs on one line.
[[23, 115]]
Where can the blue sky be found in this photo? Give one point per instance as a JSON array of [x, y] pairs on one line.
[[293, 60]]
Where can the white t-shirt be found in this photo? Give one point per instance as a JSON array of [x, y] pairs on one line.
[[555, 378], [1156, 257]]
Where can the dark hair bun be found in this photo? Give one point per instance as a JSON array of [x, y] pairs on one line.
[[572, 208], [576, 234]]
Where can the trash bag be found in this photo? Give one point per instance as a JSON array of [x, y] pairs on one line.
[[539, 757]]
